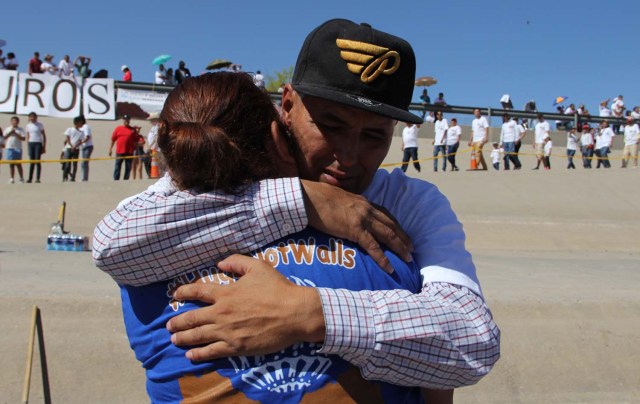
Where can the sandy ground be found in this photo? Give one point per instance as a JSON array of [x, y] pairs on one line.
[[556, 251]]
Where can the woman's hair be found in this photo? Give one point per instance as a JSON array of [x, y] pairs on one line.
[[215, 132]]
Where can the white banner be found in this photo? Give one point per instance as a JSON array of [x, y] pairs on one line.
[[48, 95], [98, 99], [8, 90], [148, 101]]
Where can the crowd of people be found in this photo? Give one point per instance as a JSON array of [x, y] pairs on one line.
[[64, 68], [594, 142]]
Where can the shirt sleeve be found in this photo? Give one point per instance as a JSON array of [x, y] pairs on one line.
[[442, 338], [163, 233]]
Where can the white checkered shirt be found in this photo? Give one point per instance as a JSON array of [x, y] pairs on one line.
[[443, 337]]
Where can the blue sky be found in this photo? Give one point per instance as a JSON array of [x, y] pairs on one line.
[[478, 50]]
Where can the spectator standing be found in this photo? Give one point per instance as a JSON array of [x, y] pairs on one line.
[[522, 131], [425, 100], [604, 138], [48, 67], [170, 80], [431, 118], [181, 72], [439, 141], [495, 156], [13, 138], [126, 73], [64, 67], [440, 100], [541, 134], [410, 146], [530, 107], [87, 148], [36, 144], [603, 109], [35, 64], [570, 110], [548, 146], [161, 75], [81, 63], [72, 141], [124, 138], [587, 143], [11, 63], [152, 143], [631, 135], [617, 111], [479, 137], [258, 80], [635, 114], [138, 153], [454, 133], [572, 145], [508, 137]]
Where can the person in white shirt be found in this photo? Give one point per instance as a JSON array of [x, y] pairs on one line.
[[570, 110], [495, 156], [73, 138], [586, 145], [604, 139], [631, 134], [522, 131], [572, 145], [439, 141], [161, 75], [87, 148], [13, 138], [509, 135], [430, 118], [605, 112], [37, 145], [548, 145], [48, 67], [64, 67], [617, 111], [454, 133], [152, 141], [542, 130], [479, 136], [410, 146], [258, 80]]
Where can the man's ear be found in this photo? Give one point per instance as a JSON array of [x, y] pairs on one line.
[[286, 104]]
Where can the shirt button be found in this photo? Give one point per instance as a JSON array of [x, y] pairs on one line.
[[286, 227]]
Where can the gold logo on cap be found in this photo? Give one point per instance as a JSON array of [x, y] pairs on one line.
[[368, 60]]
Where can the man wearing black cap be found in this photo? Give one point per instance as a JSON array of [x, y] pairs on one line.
[[124, 138], [350, 86]]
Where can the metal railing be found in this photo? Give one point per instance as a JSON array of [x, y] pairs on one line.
[[489, 112]]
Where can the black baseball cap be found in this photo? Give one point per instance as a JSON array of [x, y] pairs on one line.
[[356, 65], [125, 117]]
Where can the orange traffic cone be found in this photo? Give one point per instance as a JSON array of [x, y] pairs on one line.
[[155, 170], [474, 162]]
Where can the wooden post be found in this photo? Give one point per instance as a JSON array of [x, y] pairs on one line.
[[36, 324]]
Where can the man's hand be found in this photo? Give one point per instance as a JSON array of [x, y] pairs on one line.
[[261, 313], [345, 215]]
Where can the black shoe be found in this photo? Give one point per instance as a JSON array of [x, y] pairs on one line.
[[28, 181]]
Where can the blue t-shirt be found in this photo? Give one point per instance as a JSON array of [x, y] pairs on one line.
[[308, 258]]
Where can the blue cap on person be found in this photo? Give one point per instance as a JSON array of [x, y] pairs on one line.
[[357, 65]]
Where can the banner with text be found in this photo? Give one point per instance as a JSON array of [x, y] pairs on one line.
[[8, 90], [139, 103], [49, 95]]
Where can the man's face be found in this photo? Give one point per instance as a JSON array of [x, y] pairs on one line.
[[125, 122], [15, 122], [336, 144], [476, 113], [33, 118]]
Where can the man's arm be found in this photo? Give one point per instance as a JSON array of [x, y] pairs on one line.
[[162, 233], [443, 337]]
